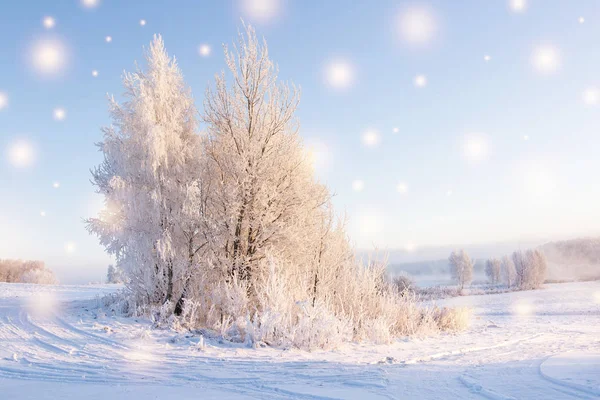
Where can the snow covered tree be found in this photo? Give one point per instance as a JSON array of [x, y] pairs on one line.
[[114, 274], [265, 200], [461, 267], [508, 271], [149, 181], [492, 270], [531, 268]]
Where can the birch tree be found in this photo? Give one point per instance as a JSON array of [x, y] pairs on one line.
[[461, 267], [265, 200], [492, 270]]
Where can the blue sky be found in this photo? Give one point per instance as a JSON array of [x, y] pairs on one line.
[[487, 151]]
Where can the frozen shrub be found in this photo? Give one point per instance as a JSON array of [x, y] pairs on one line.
[[403, 283], [452, 319], [508, 271]]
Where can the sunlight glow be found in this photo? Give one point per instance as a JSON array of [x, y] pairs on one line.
[[417, 26], [358, 185], [21, 154], [546, 59], [339, 74], [49, 57], [371, 138]]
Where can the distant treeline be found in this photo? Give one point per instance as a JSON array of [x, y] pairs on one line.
[[576, 259], [25, 271]]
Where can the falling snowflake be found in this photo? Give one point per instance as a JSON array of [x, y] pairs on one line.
[[395, 130], [525, 137], [48, 22], [204, 50], [95, 73], [49, 57], [591, 96], [417, 26], [42, 213], [21, 154], [581, 20], [3, 100], [142, 22], [448, 193], [319, 154], [59, 114], [70, 247], [487, 58], [402, 188], [56, 185], [546, 59], [371, 138], [518, 6], [108, 39], [475, 147], [420, 81], [261, 10], [90, 3], [358, 185], [339, 74]]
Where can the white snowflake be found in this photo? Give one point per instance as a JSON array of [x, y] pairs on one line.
[[261, 10], [142, 22], [204, 50], [56, 185], [402, 188], [108, 39], [487, 58], [417, 26], [358, 185], [95, 73], [49, 22], [371, 138], [339, 74], [59, 114], [591, 96], [475, 147], [21, 154], [49, 57], [90, 3], [3, 100], [546, 59], [581, 20], [518, 6], [420, 81]]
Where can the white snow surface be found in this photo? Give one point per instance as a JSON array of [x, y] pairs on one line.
[[55, 342]]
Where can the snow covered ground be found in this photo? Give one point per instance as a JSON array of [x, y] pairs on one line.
[[55, 343]]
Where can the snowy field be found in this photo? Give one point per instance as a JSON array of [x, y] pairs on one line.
[[55, 343]]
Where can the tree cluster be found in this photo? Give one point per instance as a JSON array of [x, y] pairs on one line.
[[227, 227], [24, 271]]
